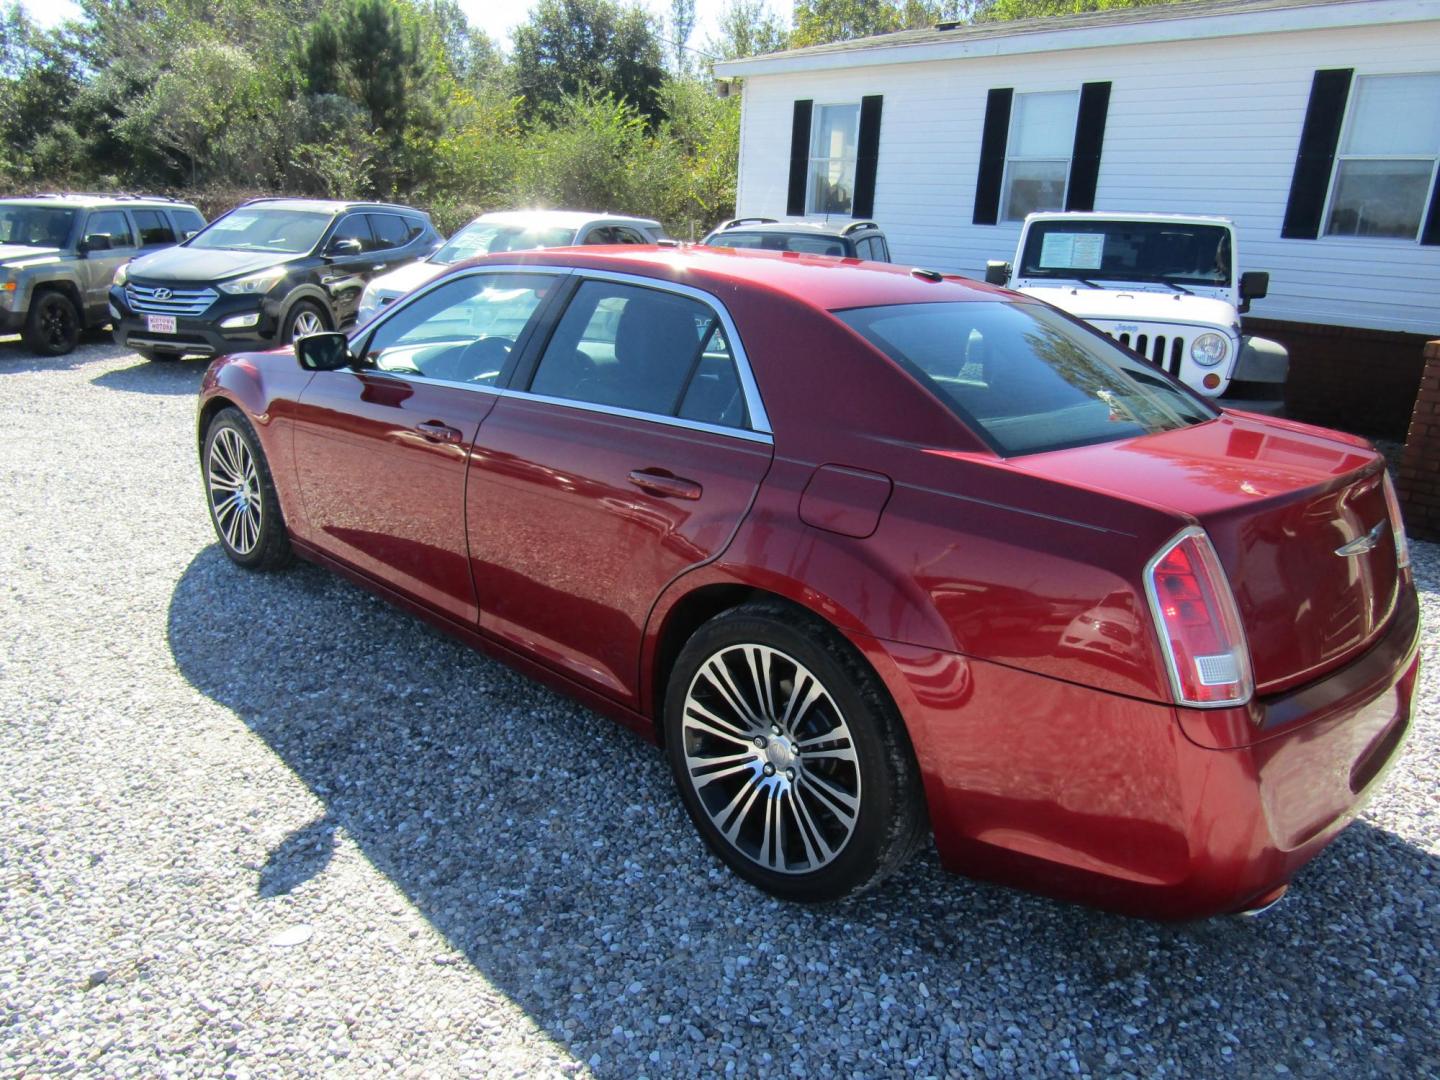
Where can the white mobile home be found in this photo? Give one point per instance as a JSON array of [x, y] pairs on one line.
[[1313, 124]]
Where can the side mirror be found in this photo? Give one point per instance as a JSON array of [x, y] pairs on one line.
[[348, 246], [188, 233], [95, 242], [997, 273], [323, 352], [1254, 285]]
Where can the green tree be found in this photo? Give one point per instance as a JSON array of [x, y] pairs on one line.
[[818, 22], [682, 26], [747, 27], [573, 48], [1000, 10]]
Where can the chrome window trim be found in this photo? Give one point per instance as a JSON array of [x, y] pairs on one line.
[[759, 429], [754, 406]]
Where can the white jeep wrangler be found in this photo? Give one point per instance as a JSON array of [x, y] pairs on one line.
[[1163, 285]]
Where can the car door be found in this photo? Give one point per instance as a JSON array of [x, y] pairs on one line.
[[98, 266], [345, 273], [630, 455], [381, 450]]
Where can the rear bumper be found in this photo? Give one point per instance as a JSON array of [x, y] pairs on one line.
[[1106, 800]]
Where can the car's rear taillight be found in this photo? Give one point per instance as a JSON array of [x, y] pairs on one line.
[[1397, 525], [1198, 623]]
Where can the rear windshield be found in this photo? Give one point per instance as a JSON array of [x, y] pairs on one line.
[[1150, 251], [487, 238], [1025, 378], [807, 243]]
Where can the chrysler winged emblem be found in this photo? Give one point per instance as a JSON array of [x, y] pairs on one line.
[[1361, 544], [161, 293]]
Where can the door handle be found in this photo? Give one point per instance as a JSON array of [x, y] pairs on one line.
[[378, 266], [659, 482], [435, 431]]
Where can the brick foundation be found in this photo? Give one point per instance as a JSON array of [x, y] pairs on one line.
[[1362, 381], [1419, 476]]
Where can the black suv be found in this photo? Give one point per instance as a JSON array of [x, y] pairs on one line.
[[266, 273], [848, 239], [59, 252]]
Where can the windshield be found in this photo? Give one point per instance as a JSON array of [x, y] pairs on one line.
[[1025, 378], [288, 232], [1158, 251], [487, 237], [35, 226]]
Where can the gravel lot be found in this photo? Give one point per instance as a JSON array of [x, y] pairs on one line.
[[267, 826]]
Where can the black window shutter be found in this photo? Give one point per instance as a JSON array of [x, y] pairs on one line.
[[867, 156], [1430, 233], [1089, 139], [992, 156], [799, 158], [1318, 140]]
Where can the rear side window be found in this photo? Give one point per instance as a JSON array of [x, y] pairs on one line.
[[187, 220], [154, 229], [642, 349], [389, 230], [1025, 378]]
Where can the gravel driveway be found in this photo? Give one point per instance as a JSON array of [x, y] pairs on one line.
[[268, 826]]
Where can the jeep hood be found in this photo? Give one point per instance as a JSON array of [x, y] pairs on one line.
[[24, 251], [1135, 305], [203, 264]]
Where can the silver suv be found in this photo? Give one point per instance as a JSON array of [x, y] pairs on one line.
[[59, 252]]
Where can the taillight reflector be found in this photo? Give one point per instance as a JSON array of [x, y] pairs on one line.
[[1397, 524], [1198, 623]]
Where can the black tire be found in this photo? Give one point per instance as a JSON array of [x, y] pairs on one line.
[[52, 327], [889, 822], [252, 530], [157, 357], [301, 310]]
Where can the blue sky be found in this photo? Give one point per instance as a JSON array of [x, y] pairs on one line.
[[496, 17]]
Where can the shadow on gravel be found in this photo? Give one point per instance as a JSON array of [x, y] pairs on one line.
[[94, 345], [156, 377], [547, 846]]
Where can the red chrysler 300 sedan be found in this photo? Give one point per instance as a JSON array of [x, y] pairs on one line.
[[871, 552]]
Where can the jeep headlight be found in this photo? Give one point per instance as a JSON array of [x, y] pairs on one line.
[[254, 284], [1207, 350]]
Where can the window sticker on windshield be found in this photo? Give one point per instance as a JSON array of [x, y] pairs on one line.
[[235, 222], [1073, 251]]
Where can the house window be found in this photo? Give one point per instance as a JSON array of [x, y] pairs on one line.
[[1038, 149], [1385, 167], [834, 147]]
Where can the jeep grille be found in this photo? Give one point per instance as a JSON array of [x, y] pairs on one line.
[[1164, 351], [187, 302]]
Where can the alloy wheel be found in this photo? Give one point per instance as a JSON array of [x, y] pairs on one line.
[[234, 484], [306, 323], [57, 324], [771, 758]]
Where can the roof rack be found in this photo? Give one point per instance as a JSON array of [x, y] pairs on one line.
[[745, 221], [858, 226], [115, 196]]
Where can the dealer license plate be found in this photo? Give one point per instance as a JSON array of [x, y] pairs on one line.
[[160, 324]]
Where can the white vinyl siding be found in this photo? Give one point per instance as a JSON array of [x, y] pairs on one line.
[[1208, 126], [1385, 167], [1037, 153]]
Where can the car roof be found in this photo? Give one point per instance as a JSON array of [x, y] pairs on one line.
[[1101, 215], [821, 281], [329, 206], [79, 200], [563, 219]]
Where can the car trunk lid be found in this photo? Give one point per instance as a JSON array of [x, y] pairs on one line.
[[1297, 517]]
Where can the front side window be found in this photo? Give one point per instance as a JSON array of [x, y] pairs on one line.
[[1037, 158], [187, 220], [111, 223], [834, 146], [461, 331], [1025, 378], [1386, 164], [288, 232], [642, 349]]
